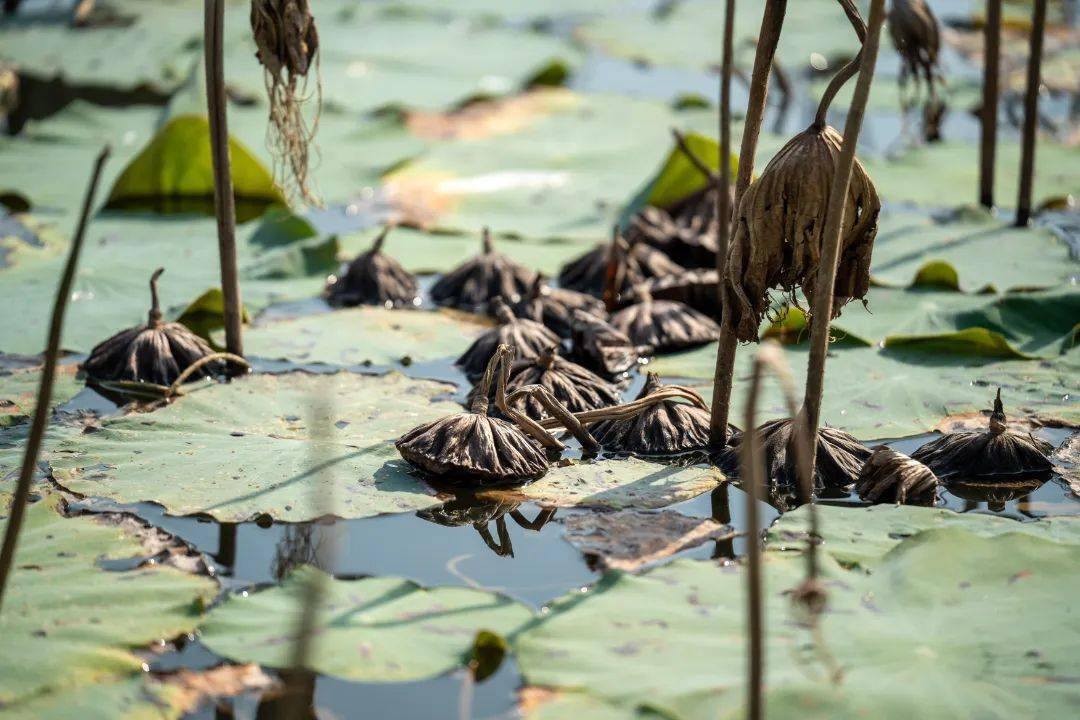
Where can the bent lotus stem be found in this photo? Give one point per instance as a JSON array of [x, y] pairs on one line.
[[772, 23], [175, 388], [826, 279], [498, 372], [633, 408], [558, 411], [697, 162], [612, 276], [1031, 115], [988, 131], [848, 71], [45, 387], [154, 317]]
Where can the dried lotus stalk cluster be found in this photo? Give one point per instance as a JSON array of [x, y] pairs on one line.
[[778, 234], [287, 46]]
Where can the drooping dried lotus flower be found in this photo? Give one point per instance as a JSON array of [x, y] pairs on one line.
[[287, 46], [577, 388], [374, 278], [600, 347], [891, 476], [665, 325], [685, 232], [840, 457], [593, 272], [916, 35], [529, 337], [696, 288], [778, 236], [476, 282], [156, 352], [996, 452], [666, 428], [555, 306]]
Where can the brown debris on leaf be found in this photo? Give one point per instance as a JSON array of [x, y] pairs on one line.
[[193, 687], [892, 476], [374, 278], [615, 267], [554, 307], [476, 282], [155, 352], [664, 325], [528, 337], [780, 221], [996, 452], [838, 461], [664, 429], [916, 35], [600, 347]]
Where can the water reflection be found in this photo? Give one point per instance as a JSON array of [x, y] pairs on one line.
[[468, 509]]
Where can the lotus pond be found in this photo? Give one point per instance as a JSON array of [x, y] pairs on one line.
[[173, 546]]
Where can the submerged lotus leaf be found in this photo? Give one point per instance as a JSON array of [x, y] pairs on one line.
[[363, 335], [673, 641], [85, 635], [242, 449], [381, 629]]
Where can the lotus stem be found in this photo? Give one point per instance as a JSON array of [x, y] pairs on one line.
[[988, 131], [380, 240], [45, 387], [848, 71], [697, 162], [723, 198], [633, 408], [498, 369], [826, 280], [612, 282], [1031, 114], [154, 317], [559, 412], [175, 388], [224, 201]]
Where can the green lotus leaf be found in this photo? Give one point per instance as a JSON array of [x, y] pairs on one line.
[[134, 698], [312, 257], [371, 630], [19, 389], [279, 226], [206, 313], [244, 449]]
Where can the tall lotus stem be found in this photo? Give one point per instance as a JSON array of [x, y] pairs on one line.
[[723, 198], [826, 277], [224, 201], [771, 24], [48, 373], [1031, 114], [988, 132]]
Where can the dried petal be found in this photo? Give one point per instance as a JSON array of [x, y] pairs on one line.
[[665, 325], [892, 476], [374, 278], [529, 337], [664, 429], [475, 283]]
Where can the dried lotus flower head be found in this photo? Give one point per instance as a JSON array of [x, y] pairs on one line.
[[892, 476], [602, 348], [696, 288], [664, 325], [476, 282], [555, 306], [287, 46], [576, 387], [374, 278], [916, 35], [615, 265], [155, 352], [839, 459], [996, 452], [529, 337], [780, 221], [667, 428], [685, 232]]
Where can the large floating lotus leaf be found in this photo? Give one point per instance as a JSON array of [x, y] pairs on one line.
[[175, 172], [866, 535], [875, 394], [906, 637], [239, 450], [134, 698], [372, 630], [68, 623], [513, 10], [19, 389], [364, 335], [616, 484]]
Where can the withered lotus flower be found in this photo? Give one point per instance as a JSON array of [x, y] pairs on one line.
[[602, 348], [374, 278], [685, 232], [555, 306], [615, 266], [996, 452], [155, 352], [781, 218], [892, 476], [529, 337], [916, 35], [577, 388], [476, 282], [696, 288], [667, 428], [840, 457], [665, 325]]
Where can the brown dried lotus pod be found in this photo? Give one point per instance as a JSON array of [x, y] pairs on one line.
[[664, 325], [600, 347], [685, 232], [892, 476], [529, 337], [996, 452], [156, 352], [778, 236], [696, 288], [555, 306], [476, 282], [374, 278], [664, 429], [578, 388], [840, 457], [631, 264]]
